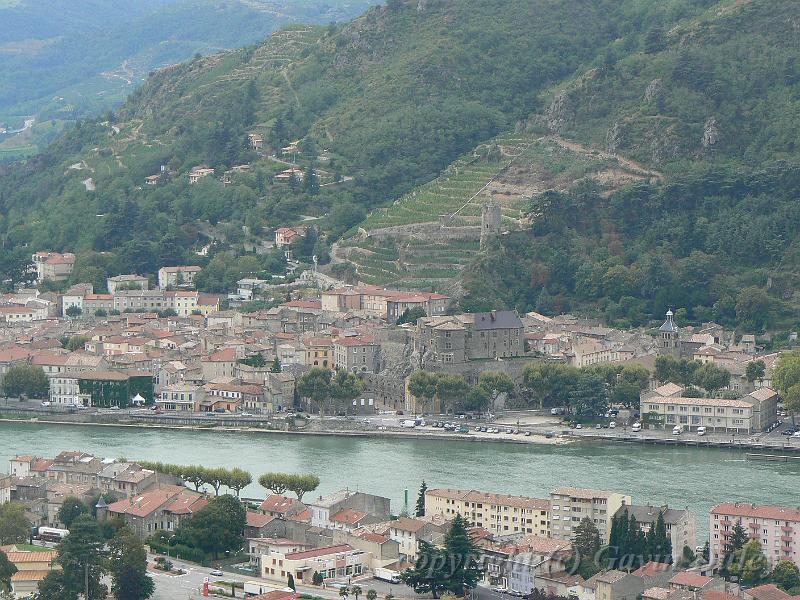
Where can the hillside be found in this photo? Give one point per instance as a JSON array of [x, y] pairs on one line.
[[632, 145], [49, 71], [712, 102], [392, 98]]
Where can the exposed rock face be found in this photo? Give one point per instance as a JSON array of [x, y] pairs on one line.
[[653, 90], [614, 137], [711, 134], [560, 113]]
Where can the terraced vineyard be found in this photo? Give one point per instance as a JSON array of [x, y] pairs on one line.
[[426, 238]]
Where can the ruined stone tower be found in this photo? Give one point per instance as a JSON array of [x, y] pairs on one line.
[[491, 221]]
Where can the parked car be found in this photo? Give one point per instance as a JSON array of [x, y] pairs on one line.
[[46, 403], [636, 427], [612, 425], [677, 430], [578, 426], [701, 430], [216, 573]]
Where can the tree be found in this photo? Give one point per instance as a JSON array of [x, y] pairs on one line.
[[589, 395], [461, 554], [654, 40], [71, 509], [238, 479], [254, 360], [585, 546], [54, 587], [7, 570], [315, 385], [736, 540], [496, 383], [73, 311], [451, 389], [216, 527], [372, 594], [419, 509], [755, 370], [428, 575], [128, 567], [786, 576], [750, 564], [317, 578], [14, 526], [422, 385], [276, 366], [277, 483], [303, 484], [344, 592], [660, 544], [687, 558], [411, 315], [477, 399], [356, 591], [344, 387], [753, 305], [290, 582], [76, 342], [710, 377], [26, 379], [82, 558]]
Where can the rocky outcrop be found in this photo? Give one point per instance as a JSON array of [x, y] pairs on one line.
[[560, 113], [653, 90], [711, 134], [614, 137]]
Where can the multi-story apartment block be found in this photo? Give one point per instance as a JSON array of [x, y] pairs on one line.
[[53, 266], [747, 414], [777, 528], [140, 300], [181, 276], [680, 524], [501, 514], [127, 282], [569, 506]]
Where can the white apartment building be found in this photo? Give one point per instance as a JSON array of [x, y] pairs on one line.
[[569, 506]]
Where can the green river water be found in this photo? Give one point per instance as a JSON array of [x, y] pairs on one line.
[[678, 476]]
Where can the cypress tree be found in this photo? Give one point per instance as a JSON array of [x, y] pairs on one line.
[[420, 507]]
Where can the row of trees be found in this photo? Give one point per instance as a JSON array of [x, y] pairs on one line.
[[26, 379], [235, 479], [328, 389], [707, 376], [585, 391], [453, 392], [630, 547], [280, 483], [786, 377]]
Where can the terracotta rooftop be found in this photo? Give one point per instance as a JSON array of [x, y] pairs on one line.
[[689, 579], [326, 551], [490, 498], [739, 509]]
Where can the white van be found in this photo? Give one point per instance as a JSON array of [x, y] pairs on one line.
[[408, 424], [677, 430], [636, 427], [701, 430]]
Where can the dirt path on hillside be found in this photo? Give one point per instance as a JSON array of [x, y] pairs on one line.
[[632, 165]]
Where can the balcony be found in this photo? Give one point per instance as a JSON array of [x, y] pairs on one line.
[[787, 528], [726, 522], [753, 525], [786, 538]]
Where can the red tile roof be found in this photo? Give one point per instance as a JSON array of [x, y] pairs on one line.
[[651, 569], [145, 504], [276, 595], [348, 516], [257, 519], [225, 355], [768, 591], [277, 503], [689, 579], [761, 512]]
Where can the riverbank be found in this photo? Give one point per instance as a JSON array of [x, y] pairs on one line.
[[538, 439]]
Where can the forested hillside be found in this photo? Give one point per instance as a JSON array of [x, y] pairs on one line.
[[61, 60], [393, 96], [712, 102]]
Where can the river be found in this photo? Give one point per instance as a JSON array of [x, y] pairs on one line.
[[678, 476]]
